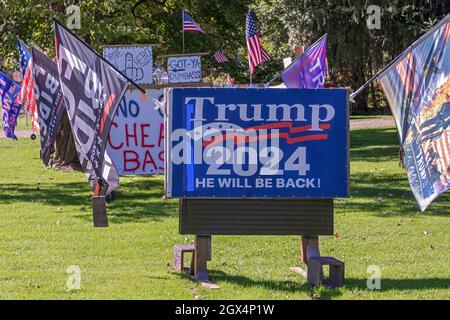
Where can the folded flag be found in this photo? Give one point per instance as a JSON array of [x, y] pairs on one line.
[[92, 90], [10, 103], [310, 69]]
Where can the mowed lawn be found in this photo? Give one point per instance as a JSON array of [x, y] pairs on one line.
[[46, 226]]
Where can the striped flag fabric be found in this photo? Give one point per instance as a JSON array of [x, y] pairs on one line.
[[416, 85], [220, 56], [27, 97], [230, 80], [189, 25], [256, 53]]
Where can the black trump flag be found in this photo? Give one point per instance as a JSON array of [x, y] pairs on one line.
[[49, 101], [92, 90]]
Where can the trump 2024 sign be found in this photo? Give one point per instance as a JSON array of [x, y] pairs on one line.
[[260, 143]]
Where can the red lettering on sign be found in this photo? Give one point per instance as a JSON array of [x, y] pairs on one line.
[[129, 135], [148, 159], [144, 136], [130, 156], [161, 134], [161, 158], [113, 124]]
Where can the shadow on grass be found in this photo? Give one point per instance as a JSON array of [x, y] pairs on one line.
[[293, 286], [386, 286], [140, 199], [374, 145], [135, 200], [383, 193], [57, 194]]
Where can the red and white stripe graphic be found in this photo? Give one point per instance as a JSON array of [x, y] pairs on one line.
[[27, 97]]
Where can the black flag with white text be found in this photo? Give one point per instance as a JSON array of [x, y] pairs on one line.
[[49, 101], [92, 90]]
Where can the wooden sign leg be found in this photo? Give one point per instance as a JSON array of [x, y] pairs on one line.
[[309, 248], [202, 254], [99, 211]]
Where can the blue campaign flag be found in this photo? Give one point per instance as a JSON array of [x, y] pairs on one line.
[[310, 69], [261, 143], [24, 56], [10, 103], [416, 85]]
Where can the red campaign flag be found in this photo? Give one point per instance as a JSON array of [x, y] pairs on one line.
[[92, 90]]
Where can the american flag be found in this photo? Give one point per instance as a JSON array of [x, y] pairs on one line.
[[256, 53], [230, 80], [220, 56], [189, 25], [27, 97]]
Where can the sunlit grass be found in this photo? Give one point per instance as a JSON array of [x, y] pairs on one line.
[[46, 226]]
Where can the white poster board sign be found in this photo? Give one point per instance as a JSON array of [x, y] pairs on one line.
[[184, 69], [134, 61], [136, 140], [287, 61]]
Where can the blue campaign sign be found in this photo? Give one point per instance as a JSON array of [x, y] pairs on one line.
[[260, 143]]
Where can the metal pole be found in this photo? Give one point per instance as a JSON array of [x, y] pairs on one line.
[[182, 25]]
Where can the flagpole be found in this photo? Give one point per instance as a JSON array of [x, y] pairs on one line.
[[98, 55], [182, 25], [401, 55]]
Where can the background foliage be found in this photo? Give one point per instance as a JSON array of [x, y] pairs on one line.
[[355, 53]]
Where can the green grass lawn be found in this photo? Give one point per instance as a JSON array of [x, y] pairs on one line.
[[46, 226]]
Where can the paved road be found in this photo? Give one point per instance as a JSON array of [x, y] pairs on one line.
[[372, 123]]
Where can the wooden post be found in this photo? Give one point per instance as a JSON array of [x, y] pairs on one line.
[[202, 254], [99, 211], [309, 248]]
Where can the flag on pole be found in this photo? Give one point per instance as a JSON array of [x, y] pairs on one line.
[[189, 25], [220, 56], [416, 85], [230, 80], [256, 53], [310, 69], [92, 89], [49, 101], [27, 98], [10, 104]]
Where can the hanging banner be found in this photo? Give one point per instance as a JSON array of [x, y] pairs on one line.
[[184, 69], [263, 143], [49, 101], [136, 138], [9, 104], [417, 88], [92, 90], [135, 61]]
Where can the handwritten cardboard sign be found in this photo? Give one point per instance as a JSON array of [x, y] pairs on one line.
[[184, 69], [134, 61], [136, 139]]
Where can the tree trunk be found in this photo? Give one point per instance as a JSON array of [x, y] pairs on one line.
[[65, 151]]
